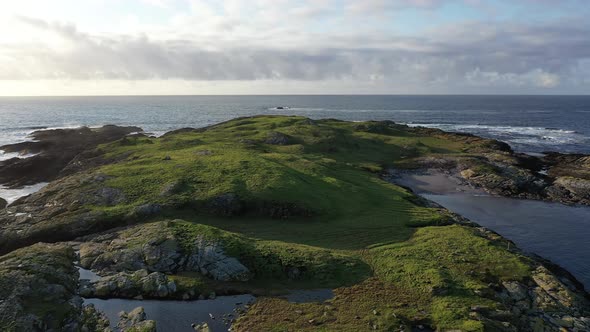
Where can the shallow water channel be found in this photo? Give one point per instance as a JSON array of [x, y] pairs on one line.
[[553, 231], [179, 315]]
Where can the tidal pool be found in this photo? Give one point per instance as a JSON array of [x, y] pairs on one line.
[[178, 315]]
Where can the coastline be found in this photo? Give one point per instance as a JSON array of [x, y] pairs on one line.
[[442, 184], [94, 198]]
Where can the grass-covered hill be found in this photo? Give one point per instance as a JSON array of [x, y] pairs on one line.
[[289, 202]]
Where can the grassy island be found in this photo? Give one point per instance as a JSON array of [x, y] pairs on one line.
[[291, 203]]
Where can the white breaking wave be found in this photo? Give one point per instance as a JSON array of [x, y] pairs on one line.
[[11, 195], [514, 134], [10, 155]]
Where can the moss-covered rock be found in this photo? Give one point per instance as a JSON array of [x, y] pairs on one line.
[[38, 291]]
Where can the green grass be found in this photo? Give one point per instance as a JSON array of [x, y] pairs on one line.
[[329, 171], [362, 235]]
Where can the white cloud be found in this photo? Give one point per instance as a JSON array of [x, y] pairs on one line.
[[536, 77], [304, 41]]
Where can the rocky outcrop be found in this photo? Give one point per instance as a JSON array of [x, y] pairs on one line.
[[54, 150], [209, 258], [139, 284], [135, 320], [3, 203], [278, 138], [570, 189], [58, 212], [38, 292], [545, 303], [157, 249], [516, 175]]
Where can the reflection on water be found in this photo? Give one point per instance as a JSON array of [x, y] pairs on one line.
[[178, 316], [87, 275], [554, 231]]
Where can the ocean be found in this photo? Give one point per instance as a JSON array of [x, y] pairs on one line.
[[527, 123]]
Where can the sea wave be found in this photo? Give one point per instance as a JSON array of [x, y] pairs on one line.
[[11, 195], [9, 155], [518, 135]]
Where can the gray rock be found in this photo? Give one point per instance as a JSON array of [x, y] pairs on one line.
[[3, 203], [108, 197], [163, 257], [204, 327], [136, 320], [209, 258], [516, 291], [131, 285], [277, 138]]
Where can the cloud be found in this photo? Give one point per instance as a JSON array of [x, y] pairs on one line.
[[283, 40], [536, 77]]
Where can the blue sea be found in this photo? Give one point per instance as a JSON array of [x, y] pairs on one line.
[[528, 123]]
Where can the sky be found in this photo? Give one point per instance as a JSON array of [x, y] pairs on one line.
[[178, 47]]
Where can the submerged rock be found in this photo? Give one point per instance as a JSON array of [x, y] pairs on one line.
[[204, 327]]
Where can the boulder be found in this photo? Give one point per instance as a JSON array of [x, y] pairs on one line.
[[3, 203], [516, 291], [136, 320], [571, 189], [277, 138], [204, 327], [45, 273], [209, 259]]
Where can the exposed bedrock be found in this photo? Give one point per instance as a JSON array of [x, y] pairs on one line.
[[556, 177], [55, 150]]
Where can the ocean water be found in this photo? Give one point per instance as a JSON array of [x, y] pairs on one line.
[[528, 123]]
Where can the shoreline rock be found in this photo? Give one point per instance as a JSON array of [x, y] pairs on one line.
[[504, 175], [56, 150], [552, 300]]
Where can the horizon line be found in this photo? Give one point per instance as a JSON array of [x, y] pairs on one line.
[[303, 94]]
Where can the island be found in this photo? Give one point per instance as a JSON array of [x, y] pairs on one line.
[[266, 205]]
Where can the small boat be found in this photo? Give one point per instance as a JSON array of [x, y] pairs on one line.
[[282, 108]]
